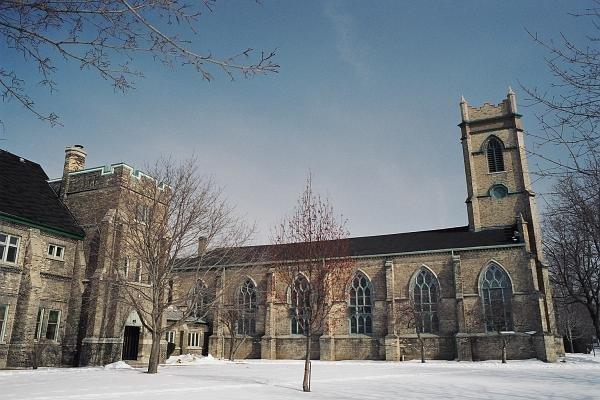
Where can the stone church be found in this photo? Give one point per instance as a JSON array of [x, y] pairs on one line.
[[476, 285]]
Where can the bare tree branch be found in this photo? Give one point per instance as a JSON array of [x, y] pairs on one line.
[[105, 36]]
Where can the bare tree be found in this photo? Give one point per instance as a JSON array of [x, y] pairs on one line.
[[570, 143], [496, 319], [230, 317], [238, 311], [568, 319], [165, 215], [239, 318], [412, 315], [570, 109], [496, 322], [105, 36], [311, 249], [572, 242]]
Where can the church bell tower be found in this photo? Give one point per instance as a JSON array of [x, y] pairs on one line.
[[499, 192]]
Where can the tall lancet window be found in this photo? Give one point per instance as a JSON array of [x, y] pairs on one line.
[[496, 291], [247, 308], [426, 295], [360, 307], [299, 293]]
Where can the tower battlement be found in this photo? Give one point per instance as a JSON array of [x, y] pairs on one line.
[[488, 110]]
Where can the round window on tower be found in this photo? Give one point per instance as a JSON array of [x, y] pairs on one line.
[[498, 191]]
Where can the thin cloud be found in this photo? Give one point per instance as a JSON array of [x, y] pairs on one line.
[[350, 48]]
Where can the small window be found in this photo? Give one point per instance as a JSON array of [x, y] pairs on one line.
[[53, 325], [3, 318], [494, 155], [38, 324], [142, 213], [9, 248], [498, 191], [170, 291], [194, 339], [125, 268], [138, 271], [170, 336], [55, 251]]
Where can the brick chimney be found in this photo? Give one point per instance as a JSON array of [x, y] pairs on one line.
[[74, 161], [202, 243], [74, 158]]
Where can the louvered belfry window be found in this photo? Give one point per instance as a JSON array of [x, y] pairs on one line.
[[495, 156]]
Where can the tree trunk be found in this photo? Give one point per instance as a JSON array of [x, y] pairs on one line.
[[503, 351], [571, 349], [154, 354], [597, 326], [307, 366], [594, 316], [422, 349], [231, 347], [570, 339]]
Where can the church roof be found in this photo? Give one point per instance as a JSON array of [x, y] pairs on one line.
[[368, 246], [27, 198], [440, 239]]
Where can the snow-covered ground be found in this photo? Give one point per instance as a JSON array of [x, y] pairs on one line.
[[193, 378]]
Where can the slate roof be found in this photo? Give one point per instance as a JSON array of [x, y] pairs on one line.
[[26, 197], [176, 315], [397, 243]]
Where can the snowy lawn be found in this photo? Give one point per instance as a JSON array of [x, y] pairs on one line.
[[577, 378]]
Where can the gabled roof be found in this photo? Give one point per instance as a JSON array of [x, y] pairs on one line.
[[27, 198], [365, 246]]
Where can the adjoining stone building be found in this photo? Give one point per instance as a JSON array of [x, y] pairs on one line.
[[62, 255], [41, 268], [473, 281]]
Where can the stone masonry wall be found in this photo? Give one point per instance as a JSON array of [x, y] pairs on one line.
[[339, 344], [37, 281]]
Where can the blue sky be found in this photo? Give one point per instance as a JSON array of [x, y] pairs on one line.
[[366, 98]]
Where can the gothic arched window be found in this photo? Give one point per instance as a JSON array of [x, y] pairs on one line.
[[199, 300], [299, 293], [247, 308], [426, 295], [495, 157], [496, 291], [360, 308]]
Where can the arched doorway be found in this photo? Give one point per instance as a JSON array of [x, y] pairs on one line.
[[131, 337]]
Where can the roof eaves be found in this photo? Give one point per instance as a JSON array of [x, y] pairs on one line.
[[46, 228]]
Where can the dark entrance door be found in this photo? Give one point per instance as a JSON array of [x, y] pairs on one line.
[[205, 343], [131, 339]]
